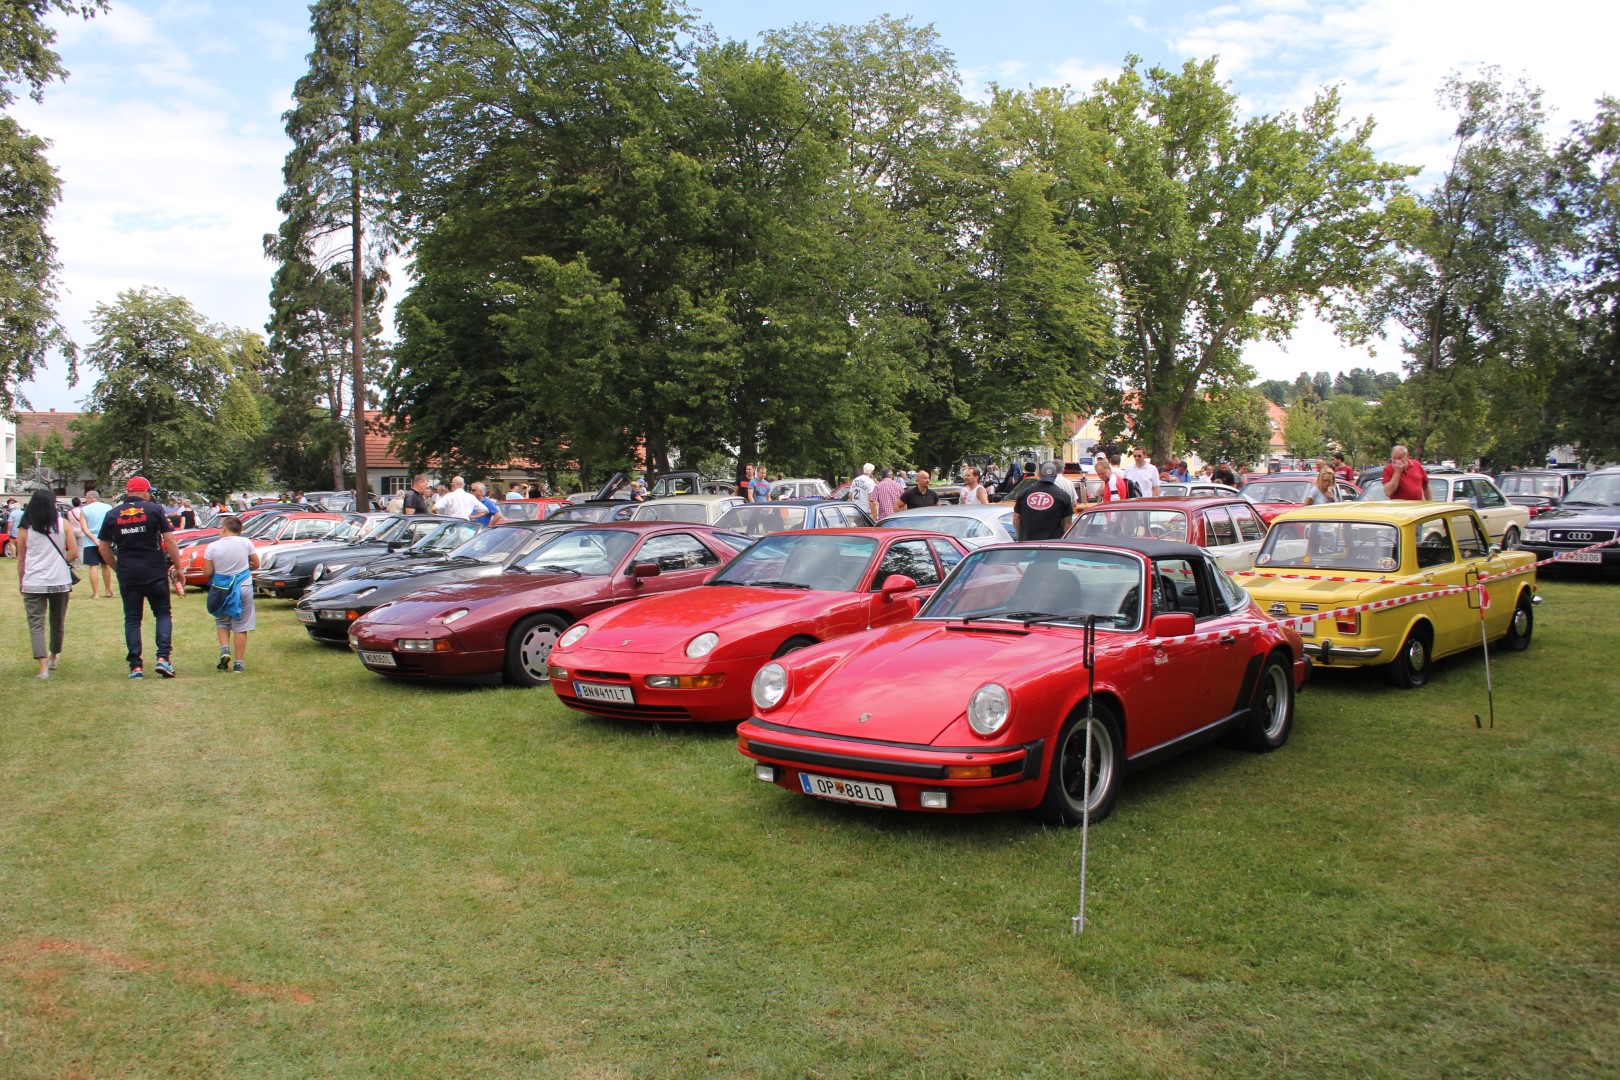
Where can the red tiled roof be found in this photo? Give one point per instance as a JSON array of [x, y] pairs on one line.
[[378, 455], [41, 424]]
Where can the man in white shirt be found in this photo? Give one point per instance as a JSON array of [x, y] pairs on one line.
[[458, 502], [860, 488], [516, 492], [1143, 473]]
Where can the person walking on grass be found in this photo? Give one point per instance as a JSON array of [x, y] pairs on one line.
[[93, 512], [228, 562], [45, 553], [135, 540]]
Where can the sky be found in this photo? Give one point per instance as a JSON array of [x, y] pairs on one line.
[[167, 134]]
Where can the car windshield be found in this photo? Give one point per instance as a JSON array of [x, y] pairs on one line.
[[589, 552], [597, 512], [1108, 524], [520, 511], [345, 530], [440, 540], [1331, 545], [1531, 484], [829, 563], [758, 519], [493, 545], [263, 524], [1042, 584], [1276, 491], [393, 529], [961, 526], [1599, 489], [696, 513]]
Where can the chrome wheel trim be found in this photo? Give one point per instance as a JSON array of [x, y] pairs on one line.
[[1274, 703], [534, 651]]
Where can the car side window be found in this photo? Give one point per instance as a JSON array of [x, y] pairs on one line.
[[1228, 592], [1488, 494], [676, 551], [1248, 525], [856, 518], [947, 555], [1176, 588], [911, 558], [1218, 529], [1433, 543], [308, 530], [1471, 544]]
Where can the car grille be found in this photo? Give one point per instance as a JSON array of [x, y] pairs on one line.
[[602, 676], [628, 712], [1579, 537]]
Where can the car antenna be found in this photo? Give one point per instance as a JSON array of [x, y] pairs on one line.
[[1077, 923]]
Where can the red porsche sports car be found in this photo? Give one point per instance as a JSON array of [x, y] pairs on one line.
[[980, 702], [505, 626], [691, 656]]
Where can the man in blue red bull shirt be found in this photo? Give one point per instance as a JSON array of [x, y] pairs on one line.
[[136, 542]]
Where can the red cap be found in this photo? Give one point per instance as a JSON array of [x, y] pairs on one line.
[[138, 483]]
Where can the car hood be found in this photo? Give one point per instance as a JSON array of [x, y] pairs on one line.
[[912, 681], [1608, 516], [669, 620], [427, 602]]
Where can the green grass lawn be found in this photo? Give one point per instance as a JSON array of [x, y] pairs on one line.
[[307, 871]]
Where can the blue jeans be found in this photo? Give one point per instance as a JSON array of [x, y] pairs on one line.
[[135, 596]]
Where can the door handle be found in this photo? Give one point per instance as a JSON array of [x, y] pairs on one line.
[[1227, 639]]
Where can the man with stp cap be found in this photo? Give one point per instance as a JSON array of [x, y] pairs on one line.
[[135, 541], [1044, 509]]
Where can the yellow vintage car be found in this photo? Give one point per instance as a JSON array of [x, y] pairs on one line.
[[1391, 550]]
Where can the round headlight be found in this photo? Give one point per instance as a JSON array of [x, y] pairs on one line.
[[989, 708], [702, 645], [572, 634], [770, 686], [318, 573]]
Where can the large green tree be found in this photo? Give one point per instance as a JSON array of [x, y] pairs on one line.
[[1211, 231], [29, 189]]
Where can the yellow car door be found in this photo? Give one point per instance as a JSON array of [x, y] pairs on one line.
[[1456, 621]]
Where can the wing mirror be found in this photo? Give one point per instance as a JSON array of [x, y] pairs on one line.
[[897, 585], [1173, 624], [644, 570]]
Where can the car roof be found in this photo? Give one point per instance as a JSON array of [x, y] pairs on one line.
[[1387, 511], [1146, 546]]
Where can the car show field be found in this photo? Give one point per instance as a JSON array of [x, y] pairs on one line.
[[305, 870]]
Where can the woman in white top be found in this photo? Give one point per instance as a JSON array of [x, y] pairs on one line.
[[233, 558], [1322, 491], [45, 557], [973, 492]]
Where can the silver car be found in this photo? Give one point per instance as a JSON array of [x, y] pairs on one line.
[[974, 525]]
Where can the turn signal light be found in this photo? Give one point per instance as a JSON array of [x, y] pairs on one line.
[[423, 645], [967, 772], [1348, 624], [555, 672], [685, 682]]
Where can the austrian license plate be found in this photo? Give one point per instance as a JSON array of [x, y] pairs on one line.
[[586, 691], [856, 791], [1308, 629], [305, 616], [380, 659], [1584, 556]]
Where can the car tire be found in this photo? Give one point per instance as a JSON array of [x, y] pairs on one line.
[[1410, 668], [1521, 626], [1064, 802], [1271, 713], [793, 644], [1512, 540], [528, 650]]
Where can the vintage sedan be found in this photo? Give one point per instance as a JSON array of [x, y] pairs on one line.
[[691, 655], [762, 519], [327, 611], [435, 544], [1228, 528], [504, 627], [1331, 560], [696, 509], [1505, 521], [982, 702], [975, 525], [1538, 490], [1588, 515]]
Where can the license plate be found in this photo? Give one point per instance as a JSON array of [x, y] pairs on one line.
[[1308, 629], [597, 692], [1585, 556], [856, 791], [305, 616], [381, 659]]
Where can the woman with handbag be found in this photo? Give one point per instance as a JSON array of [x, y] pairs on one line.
[[45, 577]]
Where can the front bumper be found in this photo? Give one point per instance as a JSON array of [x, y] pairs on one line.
[[1015, 780], [1608, 558], [457, 663], [727, 703], [280, 586]]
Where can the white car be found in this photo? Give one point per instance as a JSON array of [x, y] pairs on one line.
[[974, 525], [1505, 521], [807, 488], [696, 509]]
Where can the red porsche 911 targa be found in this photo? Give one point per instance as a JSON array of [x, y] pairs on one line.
[[505, 626], [980, 702], [692, 656]]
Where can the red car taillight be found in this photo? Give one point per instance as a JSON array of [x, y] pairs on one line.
[[1348, 624]]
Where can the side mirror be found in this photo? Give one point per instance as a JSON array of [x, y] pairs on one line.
[[1494, 550], [1173, 624], [896, 585], [644, 570]]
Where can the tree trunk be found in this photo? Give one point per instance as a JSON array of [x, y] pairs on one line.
[[362, 481]]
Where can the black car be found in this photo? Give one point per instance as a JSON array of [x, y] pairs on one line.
[[286, 573], [327, 611], [1539, 489], [436, 543], [1588, 515]]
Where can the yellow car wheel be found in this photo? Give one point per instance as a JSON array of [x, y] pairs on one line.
[[1410, 668], [1523, 624]]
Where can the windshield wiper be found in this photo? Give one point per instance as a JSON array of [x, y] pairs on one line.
[[778, 585], [555, 568]]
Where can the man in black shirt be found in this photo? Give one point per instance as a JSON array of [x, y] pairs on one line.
[[920, 495], [1043, 510], [416, 499], [136, 542]]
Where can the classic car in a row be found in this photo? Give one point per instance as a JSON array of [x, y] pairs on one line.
[[984, 701], [1505, 521], [1587, 516], [1327, 560], [286, 574]]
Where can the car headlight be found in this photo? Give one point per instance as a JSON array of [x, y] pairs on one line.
[[770, 686], [1536, 536], [267, 560], [318, 573], [572, 634], [334, 567], [989, 708], [447, 619], [702, 645]]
